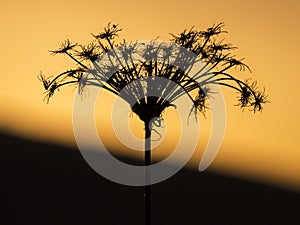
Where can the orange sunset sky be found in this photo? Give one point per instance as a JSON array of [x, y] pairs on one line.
[[262, 146]]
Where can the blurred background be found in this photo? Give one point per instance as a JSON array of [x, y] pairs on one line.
[[259, 149]]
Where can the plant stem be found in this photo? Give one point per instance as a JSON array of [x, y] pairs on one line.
[[147, 190]]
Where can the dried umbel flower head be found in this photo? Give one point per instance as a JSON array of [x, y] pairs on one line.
[[218, 69]]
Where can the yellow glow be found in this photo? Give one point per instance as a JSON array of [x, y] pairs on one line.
[[261, 146]]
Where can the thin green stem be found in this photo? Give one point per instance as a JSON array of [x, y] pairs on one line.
[[147, 174], [76, 60]]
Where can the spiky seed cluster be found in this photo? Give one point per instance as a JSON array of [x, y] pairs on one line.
[[88, 52], [250, 96], [64, 48], [216, 55], [110, 32]]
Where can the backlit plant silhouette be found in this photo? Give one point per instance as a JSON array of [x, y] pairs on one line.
[[218, 69]]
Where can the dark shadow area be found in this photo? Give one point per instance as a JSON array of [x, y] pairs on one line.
[[47, 184]]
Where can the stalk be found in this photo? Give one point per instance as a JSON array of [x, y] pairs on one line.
[[147, 190]]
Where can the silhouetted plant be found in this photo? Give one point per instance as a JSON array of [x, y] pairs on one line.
[[218, 63]]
